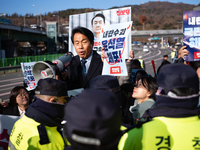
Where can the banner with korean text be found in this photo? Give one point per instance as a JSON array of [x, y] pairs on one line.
[[114, 39], [6, 125], [28, 75], [94, 21], [191, 34]]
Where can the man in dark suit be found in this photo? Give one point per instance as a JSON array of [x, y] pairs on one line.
[[87, 64]]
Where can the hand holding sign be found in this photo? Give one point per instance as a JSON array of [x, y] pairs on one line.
[[114, 42], [103, 55], [182, 52]]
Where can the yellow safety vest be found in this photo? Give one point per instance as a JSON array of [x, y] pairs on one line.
[[24, 135], [164, 133], [141, 63], [173, 54]]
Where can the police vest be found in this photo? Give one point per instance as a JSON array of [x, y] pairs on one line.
[[141, 63], [173, 54], [163, 133], [25, 135]]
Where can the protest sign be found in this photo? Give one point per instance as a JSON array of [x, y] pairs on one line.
[[114, 41], [6, 125], [28, 75], [191, 34], [94, 21]]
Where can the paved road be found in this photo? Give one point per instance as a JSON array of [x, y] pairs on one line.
[[8, 81], [153, 54]]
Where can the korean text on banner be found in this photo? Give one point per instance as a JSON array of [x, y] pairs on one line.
[[6, 125], [114, 40], [28, 75], [191, 34], [95, 21]]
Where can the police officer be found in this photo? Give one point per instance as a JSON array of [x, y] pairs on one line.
[[108, 83], [142, 63], [40, 127], [95, 121], [174, 118], [173, 53]]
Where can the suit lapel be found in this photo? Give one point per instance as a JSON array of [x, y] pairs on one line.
[[94, 64]]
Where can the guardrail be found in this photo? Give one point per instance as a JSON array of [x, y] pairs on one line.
[[13, 64], [9, 68], [4, 69], [7, 62]]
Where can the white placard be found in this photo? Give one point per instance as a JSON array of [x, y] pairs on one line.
[[114, 40]]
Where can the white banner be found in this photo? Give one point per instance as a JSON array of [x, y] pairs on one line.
[[28, 75], [96, 20], [6, 125], [114, 40]]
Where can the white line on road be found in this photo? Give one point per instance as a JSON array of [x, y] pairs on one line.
[[154, 60], [143, 55], [3, 89], [11, 84], [147, 53], [11, 79], [5, 94], [153, 56]]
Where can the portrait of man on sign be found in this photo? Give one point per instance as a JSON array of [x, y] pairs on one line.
[[97, 22]]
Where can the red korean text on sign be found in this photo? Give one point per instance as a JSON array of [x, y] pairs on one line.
[[115, 70], [196, 55], [123, 12]]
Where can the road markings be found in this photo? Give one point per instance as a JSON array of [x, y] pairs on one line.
[[11, 84], [11, 79]]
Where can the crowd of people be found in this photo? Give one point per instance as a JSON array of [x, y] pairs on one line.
[[137, 111]]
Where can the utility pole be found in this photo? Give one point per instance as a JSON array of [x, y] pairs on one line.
[[58, 23], [40, 15]]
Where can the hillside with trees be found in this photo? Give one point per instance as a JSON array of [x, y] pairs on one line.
[[150, 16], [159, 15]]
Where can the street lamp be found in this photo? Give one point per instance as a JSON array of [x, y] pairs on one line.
[[40, 15], [37, 18], [58, 23], [24, 20]]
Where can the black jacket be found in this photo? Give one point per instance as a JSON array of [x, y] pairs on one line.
[[74, 77], [11, 110]]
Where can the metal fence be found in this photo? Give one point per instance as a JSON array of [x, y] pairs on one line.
[[9, 65], [7, 62]]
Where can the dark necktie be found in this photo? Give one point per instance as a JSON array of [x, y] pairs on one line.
[[83, 67]]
